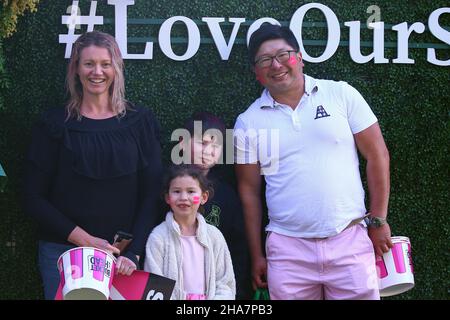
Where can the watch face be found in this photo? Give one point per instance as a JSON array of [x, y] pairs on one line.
[[374, 222]]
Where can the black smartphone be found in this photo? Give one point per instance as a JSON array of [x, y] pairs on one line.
[[121, 235], [122, 240]]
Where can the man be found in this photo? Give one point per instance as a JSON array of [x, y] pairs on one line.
[[303, 134]]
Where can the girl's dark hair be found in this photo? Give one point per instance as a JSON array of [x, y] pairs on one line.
[[266, 32], [182, 170]]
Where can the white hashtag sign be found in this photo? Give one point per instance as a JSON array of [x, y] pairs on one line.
[[74, 21]]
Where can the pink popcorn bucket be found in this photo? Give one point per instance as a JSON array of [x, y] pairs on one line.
[[86, 273], [395, 268]]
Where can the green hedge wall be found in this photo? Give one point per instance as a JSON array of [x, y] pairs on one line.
[[411, 102]]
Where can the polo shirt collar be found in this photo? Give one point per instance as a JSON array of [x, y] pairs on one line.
[[267, 101]]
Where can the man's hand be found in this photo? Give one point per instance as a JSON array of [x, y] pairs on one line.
[[381, 239], [259, 273]]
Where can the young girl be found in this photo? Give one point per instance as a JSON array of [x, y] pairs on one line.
[[187, 249]]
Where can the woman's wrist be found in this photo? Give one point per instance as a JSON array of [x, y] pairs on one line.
[[133, 257], [79, 237]]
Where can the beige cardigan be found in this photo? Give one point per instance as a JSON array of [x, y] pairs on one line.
[[164, 257]]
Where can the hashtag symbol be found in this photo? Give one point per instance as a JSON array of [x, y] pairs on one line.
[[74, 21]]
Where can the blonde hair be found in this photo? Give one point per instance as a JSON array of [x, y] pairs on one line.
[[74, 86]]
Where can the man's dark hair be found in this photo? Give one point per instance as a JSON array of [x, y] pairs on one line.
[[269, 31]]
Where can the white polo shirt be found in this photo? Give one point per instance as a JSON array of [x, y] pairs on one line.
[[308, 157]]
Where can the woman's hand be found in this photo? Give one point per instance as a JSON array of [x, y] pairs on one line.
[[81, 238], [104, 245], [125, 266]]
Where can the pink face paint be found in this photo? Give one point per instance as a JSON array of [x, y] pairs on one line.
[[260, 77], [196, 199], [293, 60]]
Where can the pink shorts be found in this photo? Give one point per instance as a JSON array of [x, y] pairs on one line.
[[335, 268]]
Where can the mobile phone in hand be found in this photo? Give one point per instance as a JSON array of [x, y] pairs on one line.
[[122, 240]]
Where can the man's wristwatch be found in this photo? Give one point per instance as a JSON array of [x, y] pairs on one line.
[[375, 222]]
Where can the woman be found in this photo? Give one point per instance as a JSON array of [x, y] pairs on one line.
[[94, 167]]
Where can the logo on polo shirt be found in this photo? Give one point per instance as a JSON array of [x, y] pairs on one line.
[[321, 113]]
